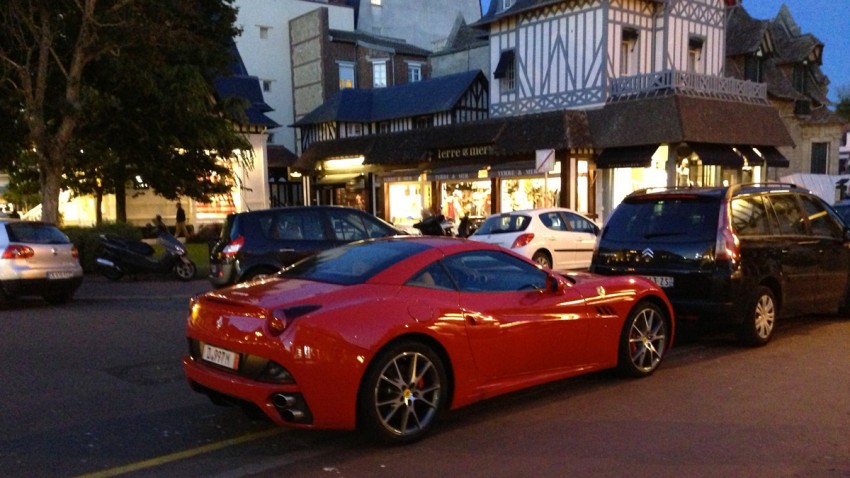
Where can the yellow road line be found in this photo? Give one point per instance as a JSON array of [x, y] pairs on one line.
[[161, 460]]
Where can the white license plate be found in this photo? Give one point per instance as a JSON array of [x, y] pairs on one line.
[[222, 357], [662, 281], [60, 275]]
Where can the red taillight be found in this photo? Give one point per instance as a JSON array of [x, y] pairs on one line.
[[75, 253], [18, 252], [727, 247], [231, 249], [522, 240]]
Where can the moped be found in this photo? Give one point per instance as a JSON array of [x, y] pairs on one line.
[[120, 256]]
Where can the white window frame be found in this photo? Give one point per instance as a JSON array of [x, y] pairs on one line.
[[506, 4], [379, 72], [414, 71]]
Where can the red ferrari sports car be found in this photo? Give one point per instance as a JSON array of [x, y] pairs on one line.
[[386, 334]]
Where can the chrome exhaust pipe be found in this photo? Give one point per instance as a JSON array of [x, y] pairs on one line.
[[283, 401], [105, 262], [292, 415]]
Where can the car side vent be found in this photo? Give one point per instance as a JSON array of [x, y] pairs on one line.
[[604, 310]]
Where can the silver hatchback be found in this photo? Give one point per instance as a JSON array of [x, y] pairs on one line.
[[36, 258]]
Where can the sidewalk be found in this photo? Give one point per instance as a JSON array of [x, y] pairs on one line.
[[97, 287]]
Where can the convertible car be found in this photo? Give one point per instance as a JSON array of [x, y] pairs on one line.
[[384, 335]]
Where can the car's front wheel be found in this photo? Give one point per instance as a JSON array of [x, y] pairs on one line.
[[403, 392], [643, 340], [759, 319]]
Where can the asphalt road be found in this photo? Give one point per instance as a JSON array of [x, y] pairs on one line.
[[94, 388]]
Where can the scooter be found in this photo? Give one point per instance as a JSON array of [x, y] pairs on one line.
[[121, 256], [435, 226]]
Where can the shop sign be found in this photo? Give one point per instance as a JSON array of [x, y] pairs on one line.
[[465, 152], [401, 178], [453, 176], [513, 173]]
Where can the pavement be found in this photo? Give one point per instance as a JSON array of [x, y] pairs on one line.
[[97, 287]]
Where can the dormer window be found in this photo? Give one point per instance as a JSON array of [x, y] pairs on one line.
[[506, 4], [695, 45], [505, 71], [754, 67], [628, 52]]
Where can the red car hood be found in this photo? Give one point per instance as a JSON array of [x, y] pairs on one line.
[[272, 293]]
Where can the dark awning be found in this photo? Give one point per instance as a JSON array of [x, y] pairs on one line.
[[506, 60], [717, 154], [627, 157], [773, 158]]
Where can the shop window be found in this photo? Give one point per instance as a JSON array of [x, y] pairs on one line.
[[820, 158], [379, 74], [346, 75]]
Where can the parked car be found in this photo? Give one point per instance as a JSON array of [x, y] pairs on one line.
[[386, 334], [842, 207], [746, 254], [555, 238], [37, 259], [259, 243]]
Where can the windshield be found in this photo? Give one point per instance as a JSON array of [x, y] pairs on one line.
[[353, 263], [503, 223]]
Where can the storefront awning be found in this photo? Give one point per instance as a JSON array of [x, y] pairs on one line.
[[339, 178], [627, 157], [717, 154], [773, 158]]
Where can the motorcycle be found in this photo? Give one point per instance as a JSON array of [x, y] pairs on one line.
[[121, 256], [435, 226]]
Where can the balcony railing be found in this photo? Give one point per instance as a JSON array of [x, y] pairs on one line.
[[672, 81]]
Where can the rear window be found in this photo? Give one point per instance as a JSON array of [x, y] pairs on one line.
[[504, 223], [35, 233], [667, 219], [354, 263]]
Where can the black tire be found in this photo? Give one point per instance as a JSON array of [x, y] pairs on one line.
[[543, 259], [404, 391], [185, 270], [759, 319], [643, 341]]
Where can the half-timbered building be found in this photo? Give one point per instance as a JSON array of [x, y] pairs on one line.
[[612, 95]]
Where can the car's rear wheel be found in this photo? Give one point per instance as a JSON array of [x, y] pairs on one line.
[[185, 270], [643, 340], [543, 259], [760, 319], [403, 392]]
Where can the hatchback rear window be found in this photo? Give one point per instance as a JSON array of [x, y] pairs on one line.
[[35, 233], [667, 219], [504, 223]]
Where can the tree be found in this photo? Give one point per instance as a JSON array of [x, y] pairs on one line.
[[98, 89]]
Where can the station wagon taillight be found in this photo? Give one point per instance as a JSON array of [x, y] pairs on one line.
[[231, 249], [16, 251], [522, 240], [727, 246]]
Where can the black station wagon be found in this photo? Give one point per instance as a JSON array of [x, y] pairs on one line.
[[746, 254], [259, 243]]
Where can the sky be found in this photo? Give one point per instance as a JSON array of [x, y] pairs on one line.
[[822, 18]]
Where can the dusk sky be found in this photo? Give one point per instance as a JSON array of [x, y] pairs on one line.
[[825, 19]]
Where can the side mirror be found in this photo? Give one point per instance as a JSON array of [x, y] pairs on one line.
[[554, 284]]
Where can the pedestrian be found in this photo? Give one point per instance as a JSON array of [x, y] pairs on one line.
[[158, 225], [180, 228]]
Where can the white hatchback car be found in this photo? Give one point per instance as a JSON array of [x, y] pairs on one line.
[[555, 238], [36, 258]]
